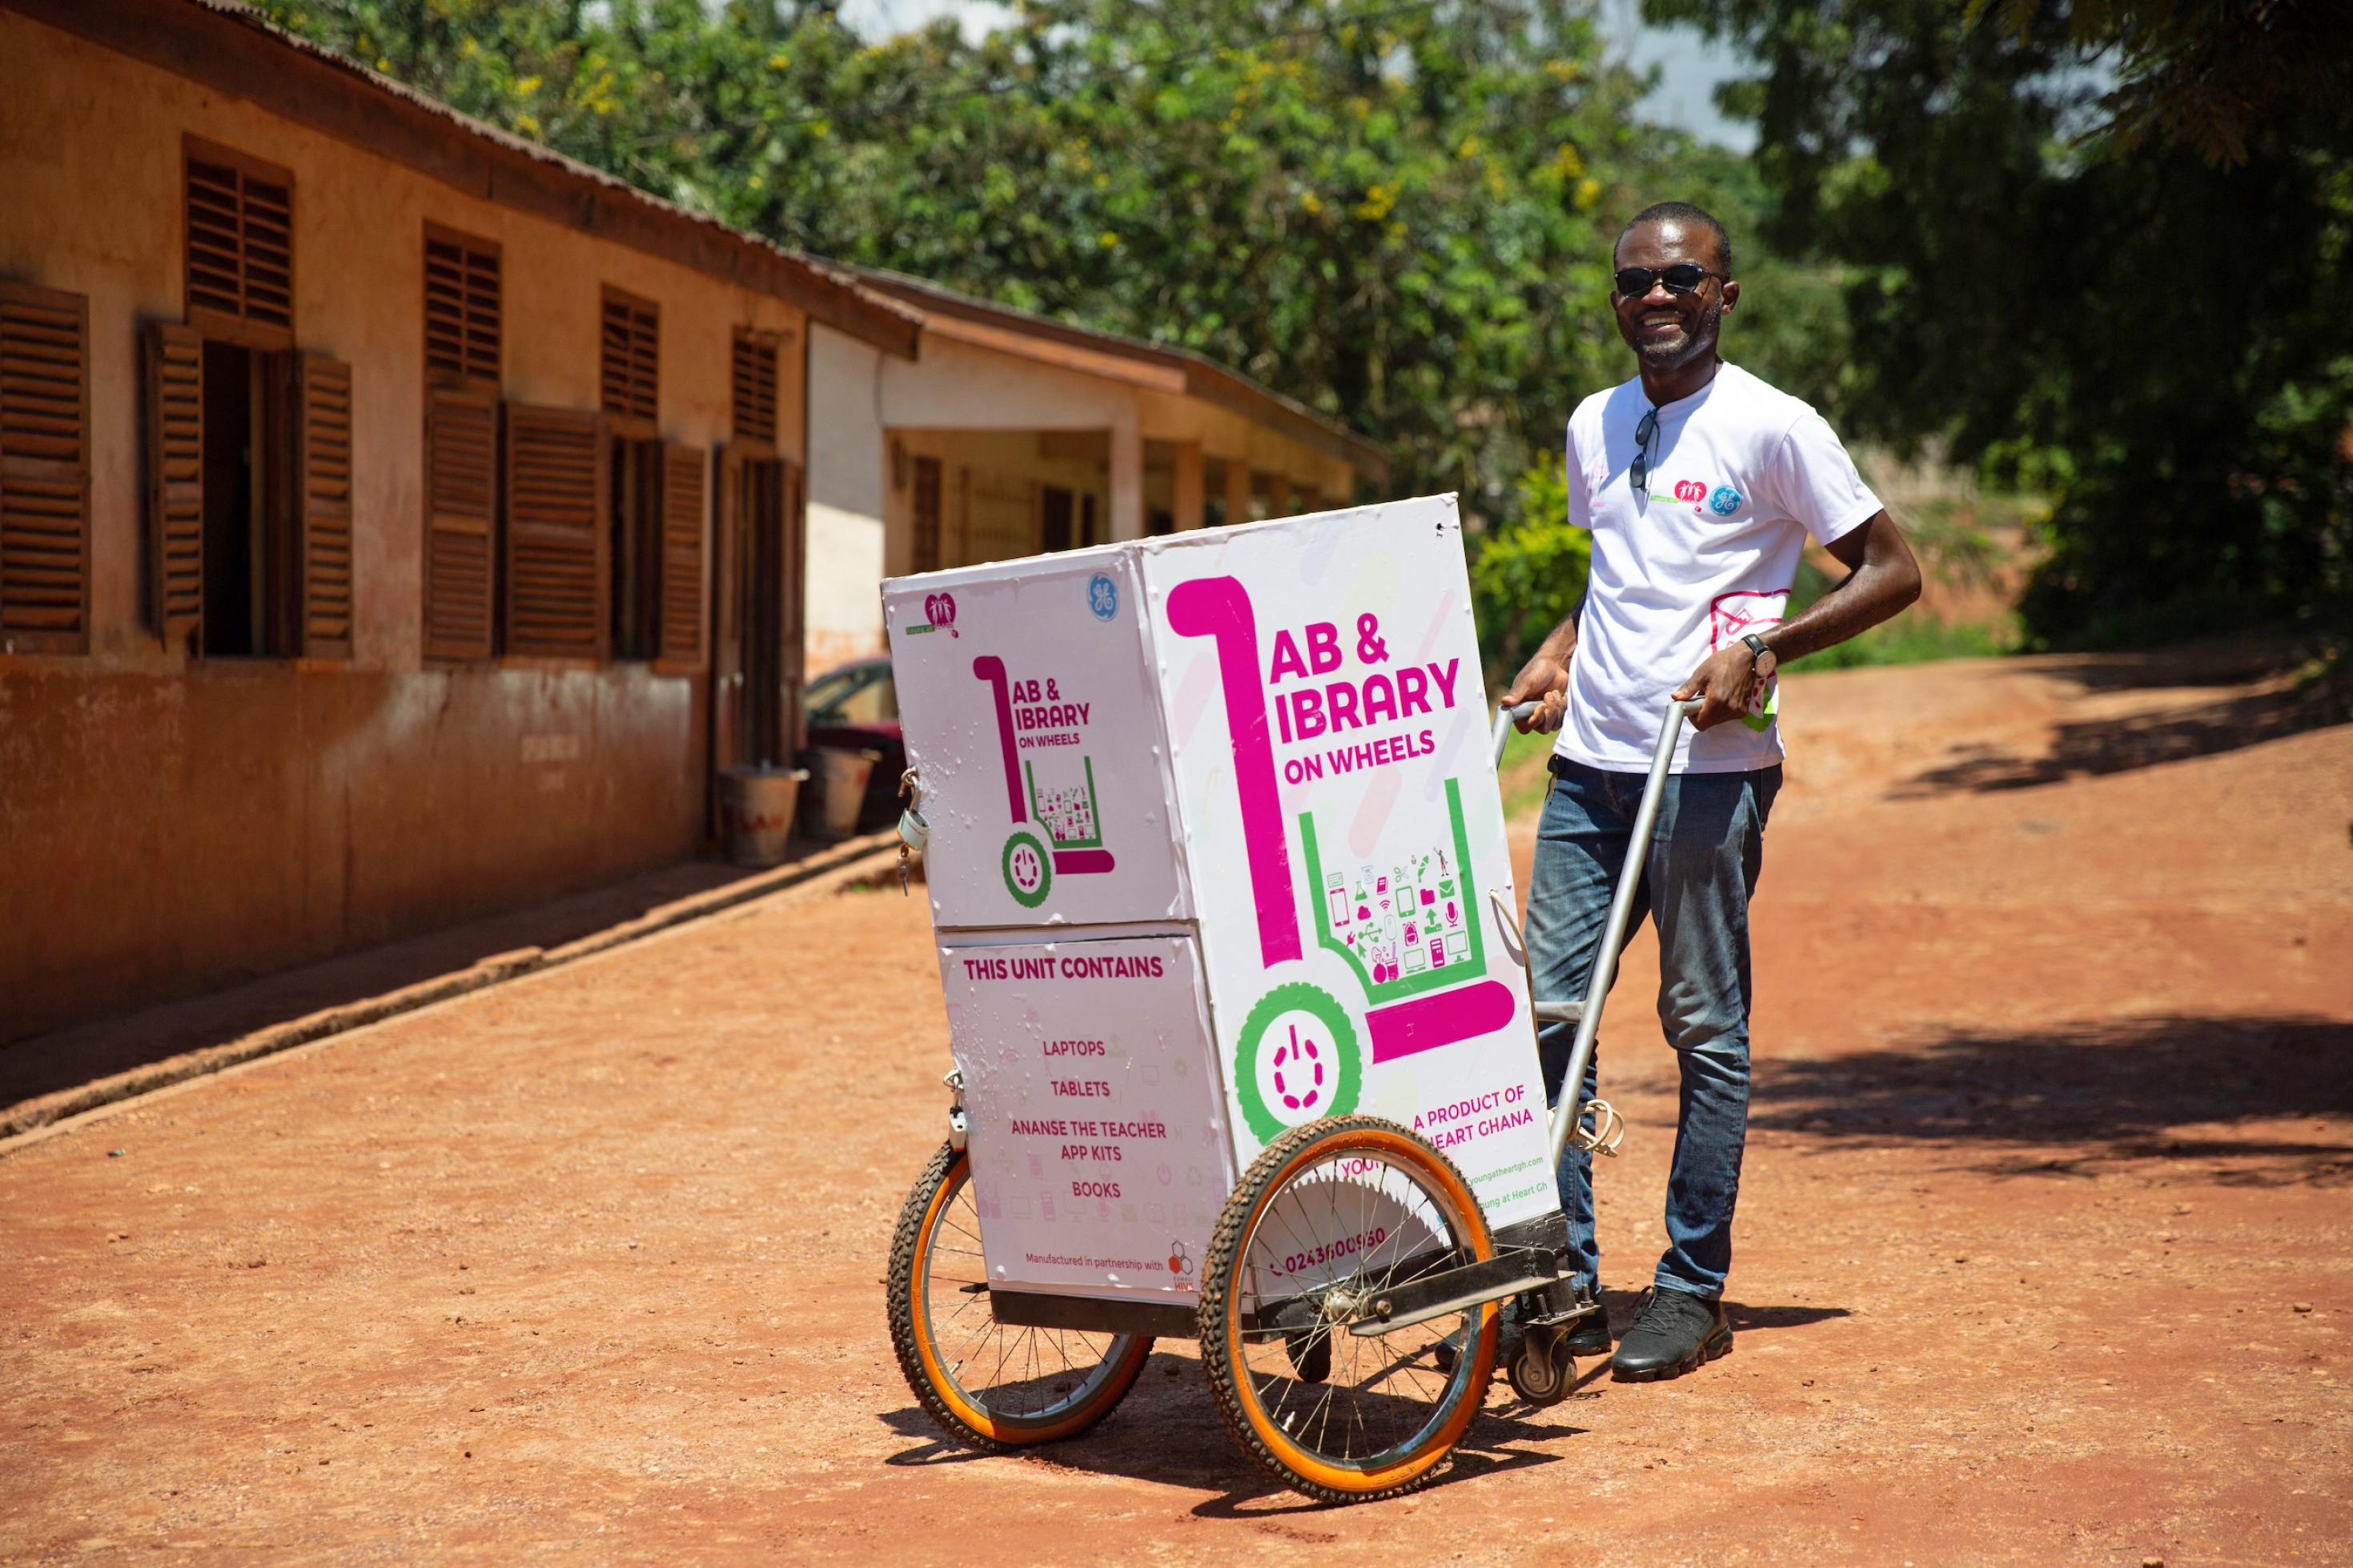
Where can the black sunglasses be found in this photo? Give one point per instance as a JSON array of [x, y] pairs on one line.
[[1683, 278], [1644, 434]]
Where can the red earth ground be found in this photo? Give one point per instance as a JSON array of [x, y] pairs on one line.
[[2045, 1252]]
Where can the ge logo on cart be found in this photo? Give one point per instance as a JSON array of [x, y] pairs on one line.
[[1103, 596]]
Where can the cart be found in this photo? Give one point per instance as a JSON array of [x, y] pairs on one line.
[[1244, 1049]]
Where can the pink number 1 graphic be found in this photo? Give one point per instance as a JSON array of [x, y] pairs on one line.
[[1219, 608]]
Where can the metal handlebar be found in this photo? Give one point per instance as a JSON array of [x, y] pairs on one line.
[[1621, 915], [1505, 719]]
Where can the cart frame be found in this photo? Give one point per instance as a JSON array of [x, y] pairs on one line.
[[1531, 1257]]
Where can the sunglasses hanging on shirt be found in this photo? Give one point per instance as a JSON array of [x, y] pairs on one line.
[[1644, 434]]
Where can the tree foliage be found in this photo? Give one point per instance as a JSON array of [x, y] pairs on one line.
[[1398, 212], [2082, 290]]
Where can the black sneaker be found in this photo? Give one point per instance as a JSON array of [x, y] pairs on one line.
[[1590, 1335], [1677, 1332]]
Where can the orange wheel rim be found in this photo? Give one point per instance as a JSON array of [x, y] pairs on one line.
[[1428, 1447], [950, 1388]]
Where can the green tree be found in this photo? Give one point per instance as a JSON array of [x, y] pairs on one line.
[[1398, 212], [2144, 320]]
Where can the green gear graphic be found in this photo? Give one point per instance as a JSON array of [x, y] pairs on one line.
[[1031, 899], [1349, 1072]]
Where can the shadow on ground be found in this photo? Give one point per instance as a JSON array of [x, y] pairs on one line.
[[2281, 703], [2162, 1088], [1168, 1432], [67, 1058]]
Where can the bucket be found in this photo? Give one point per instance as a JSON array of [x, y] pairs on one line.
[[829, 808], [756, 812]]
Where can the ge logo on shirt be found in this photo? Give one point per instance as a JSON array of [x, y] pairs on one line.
[[1724, 501]]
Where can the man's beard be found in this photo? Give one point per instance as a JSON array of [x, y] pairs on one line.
[[1674, 356]]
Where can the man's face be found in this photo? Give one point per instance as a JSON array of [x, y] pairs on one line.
[[1668, 330]]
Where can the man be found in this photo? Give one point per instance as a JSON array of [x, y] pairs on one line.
[[1701, 485]]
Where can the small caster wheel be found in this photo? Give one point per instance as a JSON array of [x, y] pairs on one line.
[[1540, 1373]]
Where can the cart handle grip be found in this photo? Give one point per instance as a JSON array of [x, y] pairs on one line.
[[1505, 719]]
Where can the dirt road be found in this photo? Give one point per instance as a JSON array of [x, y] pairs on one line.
[[2045, 1250]]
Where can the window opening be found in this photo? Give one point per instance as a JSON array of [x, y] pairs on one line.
[[926, 554], [1055, 508], [635, 504], [1213, 494], [250, 579]]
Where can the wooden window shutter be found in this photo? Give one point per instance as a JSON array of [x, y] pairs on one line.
[[176, 481], [681, 554], [755, 388], [556, 547], [461, 471], [44, 471], [463, 310], [323, 498], [630, 367], [240, 245]]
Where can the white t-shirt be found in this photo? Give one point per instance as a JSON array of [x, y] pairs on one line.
[[1740, 474]]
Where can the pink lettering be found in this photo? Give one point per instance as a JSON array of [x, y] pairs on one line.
[[1343, 698], [1286, 659], [1323, 646], [1445, 679], [1413, 692]]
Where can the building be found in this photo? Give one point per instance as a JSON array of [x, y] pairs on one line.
[[1012, 434], [398, 521]]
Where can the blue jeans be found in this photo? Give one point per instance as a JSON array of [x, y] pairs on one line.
[[1703, 860]]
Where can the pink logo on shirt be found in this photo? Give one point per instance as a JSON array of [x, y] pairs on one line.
[[1731, 616], [1690, 490]]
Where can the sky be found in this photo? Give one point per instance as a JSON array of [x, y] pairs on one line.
[[1689, 66]]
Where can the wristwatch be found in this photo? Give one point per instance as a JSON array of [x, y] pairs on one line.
[[1768, 661]]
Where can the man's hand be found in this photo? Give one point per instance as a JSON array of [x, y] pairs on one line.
[[1721, 685], [1543, 680]]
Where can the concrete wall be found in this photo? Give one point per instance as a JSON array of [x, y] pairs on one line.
[[169, 823], [846, 491]]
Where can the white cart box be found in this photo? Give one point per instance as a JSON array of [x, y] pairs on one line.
[[1025, 687], [1267, 746]]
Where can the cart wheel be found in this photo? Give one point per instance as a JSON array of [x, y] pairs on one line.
[[1329, 1216], [1029, 869], [1542, 1369], [993, 1385]]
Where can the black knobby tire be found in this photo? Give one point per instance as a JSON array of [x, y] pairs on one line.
[[1227, 1337], [991, 1420]]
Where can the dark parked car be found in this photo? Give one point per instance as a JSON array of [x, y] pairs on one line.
[[856, 708]]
